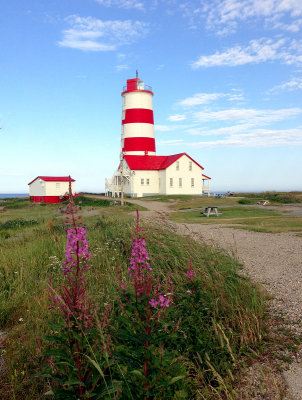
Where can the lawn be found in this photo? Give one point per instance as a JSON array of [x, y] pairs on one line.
[[250, 218]]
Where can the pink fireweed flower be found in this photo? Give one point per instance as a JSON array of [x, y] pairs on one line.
[[153, 303], [76, 247], [161, 302], [190, 272], [139, 256]]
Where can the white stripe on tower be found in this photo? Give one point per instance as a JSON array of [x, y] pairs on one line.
[[137, 119]]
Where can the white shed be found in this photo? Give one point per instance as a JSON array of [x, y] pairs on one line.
[[50, 189]]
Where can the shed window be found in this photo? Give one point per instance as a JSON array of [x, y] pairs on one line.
[[142, 181], [190, 165], [171, 182]]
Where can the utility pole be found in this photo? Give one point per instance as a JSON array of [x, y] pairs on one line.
[[122, 179]]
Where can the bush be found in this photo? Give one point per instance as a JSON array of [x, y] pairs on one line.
[[17, 223], [88, 201], [4, 235], [244, 201]]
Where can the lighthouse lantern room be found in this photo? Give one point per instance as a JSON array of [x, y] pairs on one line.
[[141, 172]]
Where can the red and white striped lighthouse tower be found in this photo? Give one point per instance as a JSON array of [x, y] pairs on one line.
[[137, 119]]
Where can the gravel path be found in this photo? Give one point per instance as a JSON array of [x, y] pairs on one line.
[[274, 260]]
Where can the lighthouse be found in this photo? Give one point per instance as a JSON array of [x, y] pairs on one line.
[[140, 171], [137, 136]]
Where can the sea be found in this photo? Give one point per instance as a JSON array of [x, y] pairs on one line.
[[11, 195]]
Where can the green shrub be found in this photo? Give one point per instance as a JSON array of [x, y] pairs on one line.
[[88, 201], [4, 235], [244, 201], [17, 223]]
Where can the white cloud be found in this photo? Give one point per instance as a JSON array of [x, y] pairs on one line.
[[257, 138], [226, 130], [256, 52], [163, 128], [293, 84], [127, 4], [223, 16], [91, 34], [121, 67], [244, 115], [200, 98], [177, 117], [172, 141], [205, 98]]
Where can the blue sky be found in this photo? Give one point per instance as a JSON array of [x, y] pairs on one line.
[[226, 76]]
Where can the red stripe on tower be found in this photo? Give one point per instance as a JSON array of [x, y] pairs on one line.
[[139, 144], [138, 115]]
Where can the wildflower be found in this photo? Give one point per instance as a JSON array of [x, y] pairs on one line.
[[190, 273], [139, 256], [76, 247], [153, 303]]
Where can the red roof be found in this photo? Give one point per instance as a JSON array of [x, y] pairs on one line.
[[53, 179], [207, 177], [154, 162]]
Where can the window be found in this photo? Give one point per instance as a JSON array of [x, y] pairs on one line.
[[190, 165], [192, 182], [142, 181], [147, 181], [180, 182], [171, 182], [177, 165], [57, 185]]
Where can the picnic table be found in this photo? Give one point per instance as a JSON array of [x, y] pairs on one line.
[[210, 210], [263, 203]]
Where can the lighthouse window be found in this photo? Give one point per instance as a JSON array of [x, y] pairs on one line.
[[192, 182], [177, 165], [142, 181], [190, 165], [147, 181], [171, 182], [180, 182]]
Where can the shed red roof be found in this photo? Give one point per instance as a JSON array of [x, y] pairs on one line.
[[53, 179], [154, 162]]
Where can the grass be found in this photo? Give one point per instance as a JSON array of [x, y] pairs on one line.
[[275, 197], [249, 218], [272, 225], [200, 202], [232, 312]]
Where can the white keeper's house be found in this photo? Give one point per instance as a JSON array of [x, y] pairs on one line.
[[50, 189], [141, 172]]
